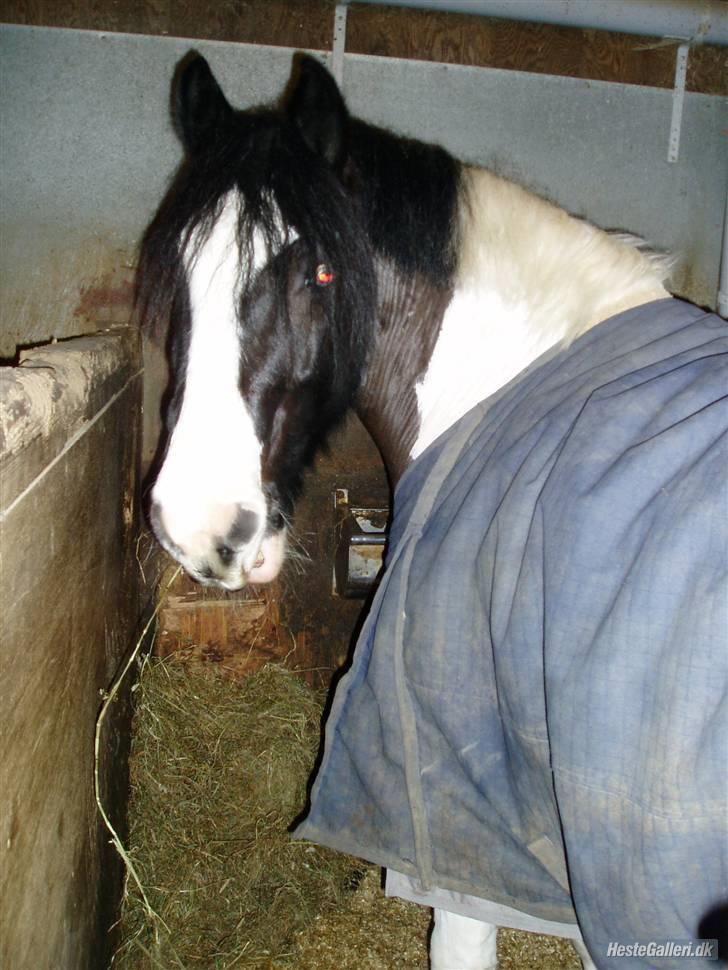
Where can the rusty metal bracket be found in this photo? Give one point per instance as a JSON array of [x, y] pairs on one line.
[[361, 537]]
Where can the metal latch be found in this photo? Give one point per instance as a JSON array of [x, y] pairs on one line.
[[361, 536]]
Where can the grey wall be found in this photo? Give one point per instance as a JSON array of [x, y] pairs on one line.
[[597, 148], [87, 149]]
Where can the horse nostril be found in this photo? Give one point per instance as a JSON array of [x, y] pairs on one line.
[[225, 553], [242, 530]]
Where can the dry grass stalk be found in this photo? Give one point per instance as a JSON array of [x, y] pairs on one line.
[[218, 773]]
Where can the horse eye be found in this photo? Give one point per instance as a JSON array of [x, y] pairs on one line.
[[323, 275]]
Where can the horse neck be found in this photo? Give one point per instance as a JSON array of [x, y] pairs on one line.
[[529, 276], [410, 312]]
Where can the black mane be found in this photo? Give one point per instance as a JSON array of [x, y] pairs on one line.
[[397, 199], [409, 191], [263, 157]]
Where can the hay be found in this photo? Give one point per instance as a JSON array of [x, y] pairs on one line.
[[533, 951], [218, 773], [373, 932], [368, 932]]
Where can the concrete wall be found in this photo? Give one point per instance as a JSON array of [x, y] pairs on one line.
[[69, 602]]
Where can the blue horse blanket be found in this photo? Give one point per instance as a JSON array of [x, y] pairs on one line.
[[537, 708]]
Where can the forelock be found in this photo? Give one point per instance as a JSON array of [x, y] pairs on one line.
[[284, 192]]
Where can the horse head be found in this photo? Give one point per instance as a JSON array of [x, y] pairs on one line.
[[259, 259]]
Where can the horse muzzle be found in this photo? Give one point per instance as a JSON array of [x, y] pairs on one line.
[[227, 546]]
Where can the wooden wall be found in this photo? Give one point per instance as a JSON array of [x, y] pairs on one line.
[[69, 602], [393, 32]]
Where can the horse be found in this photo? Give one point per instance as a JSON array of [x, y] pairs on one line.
[[309, 263]]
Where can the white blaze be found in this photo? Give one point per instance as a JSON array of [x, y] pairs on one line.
[[212, 466]]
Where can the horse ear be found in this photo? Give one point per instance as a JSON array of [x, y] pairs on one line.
[[199, 108], [317, 109]]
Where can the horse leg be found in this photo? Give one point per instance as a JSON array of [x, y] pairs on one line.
[[586, 961], [461, 943]]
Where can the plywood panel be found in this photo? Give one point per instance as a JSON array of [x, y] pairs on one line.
[[238, 631], [394, 32], [69, 607], [289, 23], [540, 48]]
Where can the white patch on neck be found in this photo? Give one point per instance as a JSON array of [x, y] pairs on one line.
[[213, 460], [484, 342], [529, 277]]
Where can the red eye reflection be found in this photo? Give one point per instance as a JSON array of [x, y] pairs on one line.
[[323, 275]]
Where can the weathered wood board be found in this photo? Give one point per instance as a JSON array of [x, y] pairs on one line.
[[69, 602], [239, 631]]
